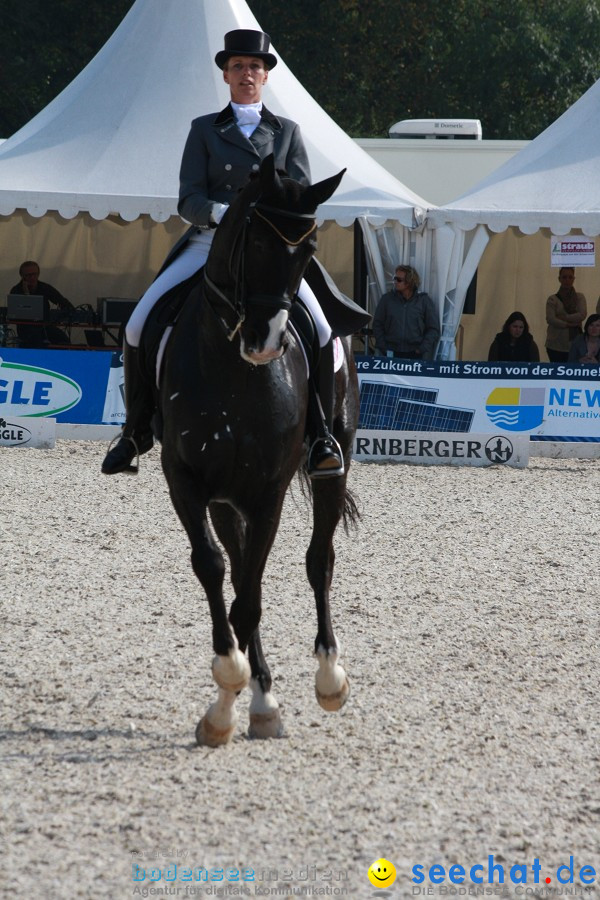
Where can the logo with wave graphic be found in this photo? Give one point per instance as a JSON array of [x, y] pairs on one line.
[[516, 409]]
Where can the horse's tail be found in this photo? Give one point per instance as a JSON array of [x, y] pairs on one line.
[[350, 512]]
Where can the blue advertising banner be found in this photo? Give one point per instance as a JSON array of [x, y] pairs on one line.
[[547, 401], [67, 385]]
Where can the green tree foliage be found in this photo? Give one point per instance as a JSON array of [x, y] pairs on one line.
[[44, 44], [514, 64]]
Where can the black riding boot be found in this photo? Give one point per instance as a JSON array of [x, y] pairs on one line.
[[136, 435], [325, 458]]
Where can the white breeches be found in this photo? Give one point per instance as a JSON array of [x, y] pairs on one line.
[[193, 257]]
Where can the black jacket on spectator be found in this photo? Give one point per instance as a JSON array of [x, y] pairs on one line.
[[524, 349]]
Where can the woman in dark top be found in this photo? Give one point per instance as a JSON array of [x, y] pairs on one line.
[[514, 343], [586, 347]]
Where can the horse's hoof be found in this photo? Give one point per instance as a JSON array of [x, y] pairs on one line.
[[231, 672], [265, 725], [331, 682], [265, 717], [333, 702], [210, 735]]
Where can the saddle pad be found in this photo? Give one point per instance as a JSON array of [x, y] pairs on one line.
[[338, 354], [161, 352]]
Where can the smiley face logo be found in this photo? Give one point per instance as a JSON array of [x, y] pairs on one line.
[[382, 873]]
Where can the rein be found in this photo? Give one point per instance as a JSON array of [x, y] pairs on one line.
[[230, 332]]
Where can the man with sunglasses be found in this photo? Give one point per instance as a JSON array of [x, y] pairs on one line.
[[406, 322]]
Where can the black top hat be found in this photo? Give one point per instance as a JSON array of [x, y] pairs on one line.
[[245, 42]]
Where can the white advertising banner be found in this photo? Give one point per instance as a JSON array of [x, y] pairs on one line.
[[441, 448], [543, 401], [572, 251], [114, 403], [27, 432]]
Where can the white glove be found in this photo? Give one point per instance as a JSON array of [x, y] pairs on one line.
[[217, 212]]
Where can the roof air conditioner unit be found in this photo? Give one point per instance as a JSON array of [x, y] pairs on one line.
[[437, 129]]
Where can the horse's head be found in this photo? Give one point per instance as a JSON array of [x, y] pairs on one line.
[[260, 253]]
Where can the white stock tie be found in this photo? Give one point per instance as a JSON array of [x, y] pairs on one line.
[[247, 116]]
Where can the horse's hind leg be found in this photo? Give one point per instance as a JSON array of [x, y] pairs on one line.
[[265, 717], [230, 668], [331, 682]]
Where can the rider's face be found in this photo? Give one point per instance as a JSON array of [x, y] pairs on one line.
[[245, 76]]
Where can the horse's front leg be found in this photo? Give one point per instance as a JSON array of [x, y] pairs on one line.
[[265, 718], [230, 668], [331, 682], [248, 558]]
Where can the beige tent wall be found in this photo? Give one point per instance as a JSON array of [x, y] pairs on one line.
[[335, 250], [515, 273], [84, 258]]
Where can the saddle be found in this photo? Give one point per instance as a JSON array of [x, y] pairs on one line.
[[167, 309], [163, 315]]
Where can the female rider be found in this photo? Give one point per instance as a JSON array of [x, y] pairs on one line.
[[221, 152]]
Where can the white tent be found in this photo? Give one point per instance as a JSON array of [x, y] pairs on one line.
[[552, 184], [108, 148]]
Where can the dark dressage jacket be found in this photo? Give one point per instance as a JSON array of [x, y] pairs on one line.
[[217, 162]]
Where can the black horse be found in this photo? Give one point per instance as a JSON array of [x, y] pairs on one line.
[[233, 402]]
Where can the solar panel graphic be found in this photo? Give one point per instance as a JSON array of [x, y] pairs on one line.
[[394, 407]]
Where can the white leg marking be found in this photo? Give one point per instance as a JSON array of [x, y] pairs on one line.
[[265, 718], [218, 724], [231, 672], [331, 682]]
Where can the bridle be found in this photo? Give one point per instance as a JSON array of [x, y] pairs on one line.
[[237, 265]]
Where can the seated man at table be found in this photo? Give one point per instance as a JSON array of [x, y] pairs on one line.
[[42, 334], [406, 322]]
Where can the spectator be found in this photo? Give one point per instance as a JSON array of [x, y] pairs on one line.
[[515, 342], [565, 311], [39, 335], [586, 347], [406, 322]]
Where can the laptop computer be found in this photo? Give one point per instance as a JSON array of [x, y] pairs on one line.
[[26, 308]]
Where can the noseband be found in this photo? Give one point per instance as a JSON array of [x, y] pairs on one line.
[[237, 264]]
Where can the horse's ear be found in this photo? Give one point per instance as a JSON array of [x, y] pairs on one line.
[[322, 190], [268, 175]]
